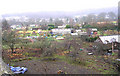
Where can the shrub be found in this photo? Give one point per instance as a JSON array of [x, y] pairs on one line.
[[91, 39], [67, 26]]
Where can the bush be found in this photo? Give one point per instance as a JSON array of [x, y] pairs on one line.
[[84, 37], [87, 26], [67, 26], [91, 39], [47, 52]]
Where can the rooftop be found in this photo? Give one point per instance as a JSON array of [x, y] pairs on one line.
[[110, 39]]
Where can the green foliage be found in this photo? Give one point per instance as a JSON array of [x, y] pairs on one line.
[[10, 38], [67, 26], [60, 57], [12, 64], [84, 37], [42, 43], [21, 59], [76, 26], [88, 26], [26, 53], [118, 28], [51, 27], [78, 62], [113, 54], [5, 25], [5, 47], [103, 27], [91, 39], [107, 27], [56, 27], [105, 34]]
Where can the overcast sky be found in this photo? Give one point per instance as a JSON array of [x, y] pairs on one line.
[[19, 6]]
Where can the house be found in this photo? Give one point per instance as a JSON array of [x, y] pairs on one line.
[[108, 39], [16, 27], [78, 31], [61, 27], [61, 31], [33, 25], [74, 34]]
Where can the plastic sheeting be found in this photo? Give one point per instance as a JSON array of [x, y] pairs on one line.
[[18, 70]]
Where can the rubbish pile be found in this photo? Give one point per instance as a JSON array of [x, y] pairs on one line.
[[118, 59], [60, 72], [90, 53], [81, 49], [18, 70], [109, 52]]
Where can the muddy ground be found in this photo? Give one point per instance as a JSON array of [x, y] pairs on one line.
[[51, 67]]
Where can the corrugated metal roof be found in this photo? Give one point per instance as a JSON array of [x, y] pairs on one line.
[[109, 39]]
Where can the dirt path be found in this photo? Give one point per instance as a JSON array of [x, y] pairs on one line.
[[41, 67]]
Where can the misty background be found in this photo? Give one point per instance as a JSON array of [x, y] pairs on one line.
[[59, 8]]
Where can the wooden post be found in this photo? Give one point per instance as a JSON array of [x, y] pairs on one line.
[[112, 46]]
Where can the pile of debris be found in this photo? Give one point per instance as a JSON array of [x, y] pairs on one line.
[[18, 70]]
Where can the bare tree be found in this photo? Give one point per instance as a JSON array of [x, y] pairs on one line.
[[5, 25], [10, 38], [112, 16], [101, 17]]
